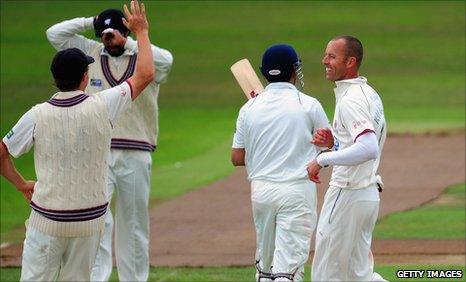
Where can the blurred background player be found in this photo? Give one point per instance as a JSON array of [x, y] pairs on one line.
[[71, 137], [134, 137], [351, 205], [272, 137]]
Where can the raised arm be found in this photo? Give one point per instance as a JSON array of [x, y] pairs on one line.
[[66, 34], [136, 21], [163, 59]]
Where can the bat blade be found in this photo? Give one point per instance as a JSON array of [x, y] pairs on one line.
[[247, 78]]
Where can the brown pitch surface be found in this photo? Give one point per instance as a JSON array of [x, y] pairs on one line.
[[213, 226]]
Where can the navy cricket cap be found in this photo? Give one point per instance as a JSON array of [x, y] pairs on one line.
[[278, 63], [70, 63], [111, 18]]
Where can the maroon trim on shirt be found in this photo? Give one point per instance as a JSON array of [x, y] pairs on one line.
[[289, 276], [71, 211], [68, 102], [118, 143], [108, 74], [71, 215], [131, 88], [363, 132], [6, 148], [129, 70], [105, 69]]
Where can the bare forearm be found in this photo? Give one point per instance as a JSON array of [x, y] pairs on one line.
[[8, 170], [136, 21], [238, 162], [144, 72], [162, 57], [144, 66], [238, 156]]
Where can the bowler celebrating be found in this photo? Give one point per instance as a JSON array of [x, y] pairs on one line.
[[351, 205]]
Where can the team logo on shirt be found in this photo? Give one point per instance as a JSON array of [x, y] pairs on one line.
[[96, 82], [358, 123], [9, 134], [122, 91]]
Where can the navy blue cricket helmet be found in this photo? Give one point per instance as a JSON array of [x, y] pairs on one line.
[[279, 62]]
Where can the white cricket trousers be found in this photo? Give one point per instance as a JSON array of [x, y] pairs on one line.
[[284, 217], [129, 179], [344, 236], [50, 258]]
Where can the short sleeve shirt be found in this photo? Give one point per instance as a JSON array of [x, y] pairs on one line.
[[275, 128], [20, 139]]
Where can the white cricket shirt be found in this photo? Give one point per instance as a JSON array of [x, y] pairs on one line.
[[359, 109], [71, 134], [275, 129]]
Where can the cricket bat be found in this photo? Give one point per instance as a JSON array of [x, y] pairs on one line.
[[247, 78]]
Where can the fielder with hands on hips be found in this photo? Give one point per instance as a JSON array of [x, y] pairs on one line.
[[272, 139], [71, 134], [8, 170], [134, 138], [351, 205]]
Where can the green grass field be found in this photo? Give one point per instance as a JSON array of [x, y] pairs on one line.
[[443, 218], [246, 273], [414, 57]]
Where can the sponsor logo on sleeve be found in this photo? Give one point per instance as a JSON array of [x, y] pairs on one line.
[[9, 134], [96, 82]]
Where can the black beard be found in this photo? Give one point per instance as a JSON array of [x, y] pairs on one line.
[[116, 51]]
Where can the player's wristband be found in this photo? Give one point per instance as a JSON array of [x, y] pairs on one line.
[[321, 159]]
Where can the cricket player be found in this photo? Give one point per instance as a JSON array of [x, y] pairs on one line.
[[71, 137], [351, 205], [134, 137], [272, 138]]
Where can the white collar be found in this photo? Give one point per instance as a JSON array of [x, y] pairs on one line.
[[280, 85], [125, 53], [343, 85]]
